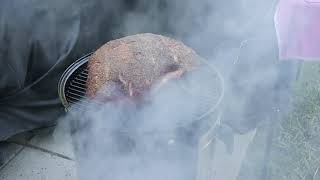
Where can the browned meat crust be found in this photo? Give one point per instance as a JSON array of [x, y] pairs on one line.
[[131, 65]]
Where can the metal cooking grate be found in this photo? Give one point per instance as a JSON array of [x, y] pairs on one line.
[[76, 87], [72, 86]]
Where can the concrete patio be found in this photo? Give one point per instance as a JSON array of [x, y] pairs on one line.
[[48, 155], [42, 155]]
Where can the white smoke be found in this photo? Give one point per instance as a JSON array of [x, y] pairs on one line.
[[156, 139], [159, 140]]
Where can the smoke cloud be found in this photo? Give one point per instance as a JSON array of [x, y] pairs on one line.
[[159, 140]]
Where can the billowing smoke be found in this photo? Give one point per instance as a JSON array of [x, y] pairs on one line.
[[154, 139], [159, 139]]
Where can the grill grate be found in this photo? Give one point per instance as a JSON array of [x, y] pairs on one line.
[[72, 86]]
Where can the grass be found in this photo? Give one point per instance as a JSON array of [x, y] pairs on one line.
[[295, 153]]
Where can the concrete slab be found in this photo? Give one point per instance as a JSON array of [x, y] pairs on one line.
[[39, 159], [55, 141], [35, 165], [8, 151]]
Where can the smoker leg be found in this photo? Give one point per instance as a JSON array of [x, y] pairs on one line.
[[225, 134], [226, 166]]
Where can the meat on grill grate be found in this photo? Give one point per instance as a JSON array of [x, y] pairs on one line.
[[130, 66]]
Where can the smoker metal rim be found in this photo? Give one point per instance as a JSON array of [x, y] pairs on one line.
[[222, 81], [66, 75], [75, 66]]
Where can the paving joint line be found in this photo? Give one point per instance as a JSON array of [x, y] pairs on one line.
[[28, 145]]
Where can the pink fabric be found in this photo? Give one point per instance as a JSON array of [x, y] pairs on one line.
[[298, 29]]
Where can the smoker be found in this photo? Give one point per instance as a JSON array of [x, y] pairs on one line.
[[72, 91]]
